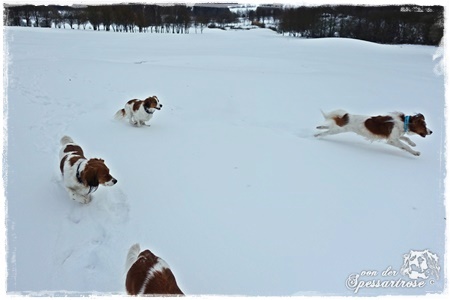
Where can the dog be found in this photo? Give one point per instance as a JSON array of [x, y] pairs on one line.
[[391, 127], [139, 111], [148, 274], [82, 176]]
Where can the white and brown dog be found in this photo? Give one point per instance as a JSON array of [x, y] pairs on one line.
[[148, 274], [82, 176], [139, 111], [391, 127]]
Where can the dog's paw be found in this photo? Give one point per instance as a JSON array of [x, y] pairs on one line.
[[81, 199], [87, 199]]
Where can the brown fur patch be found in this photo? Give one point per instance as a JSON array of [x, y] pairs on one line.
[[163, 282], [380, 125], [61, 164], [73, 160], [341, 121], [136, 105], [95, 172], [151, 102], [74, 148]]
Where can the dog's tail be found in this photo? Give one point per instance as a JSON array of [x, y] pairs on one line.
[[333, 114], [132, 256], [120, 114], [66, 140]]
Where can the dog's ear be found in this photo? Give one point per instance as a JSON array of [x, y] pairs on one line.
[[420, 116], [90, 176], [432, 262]]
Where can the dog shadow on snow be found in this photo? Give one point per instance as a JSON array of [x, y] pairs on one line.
[[374, 147]]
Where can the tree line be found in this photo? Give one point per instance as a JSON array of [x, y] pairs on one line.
[[118, 17], [401, 24], [406, 24]]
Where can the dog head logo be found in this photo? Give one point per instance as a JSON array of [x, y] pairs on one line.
[[420, 265]]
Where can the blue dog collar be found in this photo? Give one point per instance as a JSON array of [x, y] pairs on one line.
[[406, 123]]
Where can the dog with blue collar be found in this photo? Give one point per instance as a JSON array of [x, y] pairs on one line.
[[391, 127]]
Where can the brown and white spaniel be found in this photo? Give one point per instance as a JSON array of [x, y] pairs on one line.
[[82, 176], [148, 274], [139, 111], [391, 127]]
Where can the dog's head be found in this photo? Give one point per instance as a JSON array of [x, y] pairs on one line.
[[148, 258], [96, 172], [152, 103], [418, 125], [420, 264]]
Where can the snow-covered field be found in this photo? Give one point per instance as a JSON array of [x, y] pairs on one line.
[[228, 184]]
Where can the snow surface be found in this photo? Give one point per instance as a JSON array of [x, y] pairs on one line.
[[228, 184]]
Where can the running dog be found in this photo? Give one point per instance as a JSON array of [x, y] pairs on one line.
[[391, 127]]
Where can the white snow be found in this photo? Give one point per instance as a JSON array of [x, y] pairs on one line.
[[228, 184]]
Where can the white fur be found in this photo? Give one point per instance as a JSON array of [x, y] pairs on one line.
[[356, 125], [132, 256], [66, 140]]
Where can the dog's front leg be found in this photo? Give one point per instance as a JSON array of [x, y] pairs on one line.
[[133, 121], [331, 131], [408, 140], [399, 144], [85, 199], [75, 196]]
